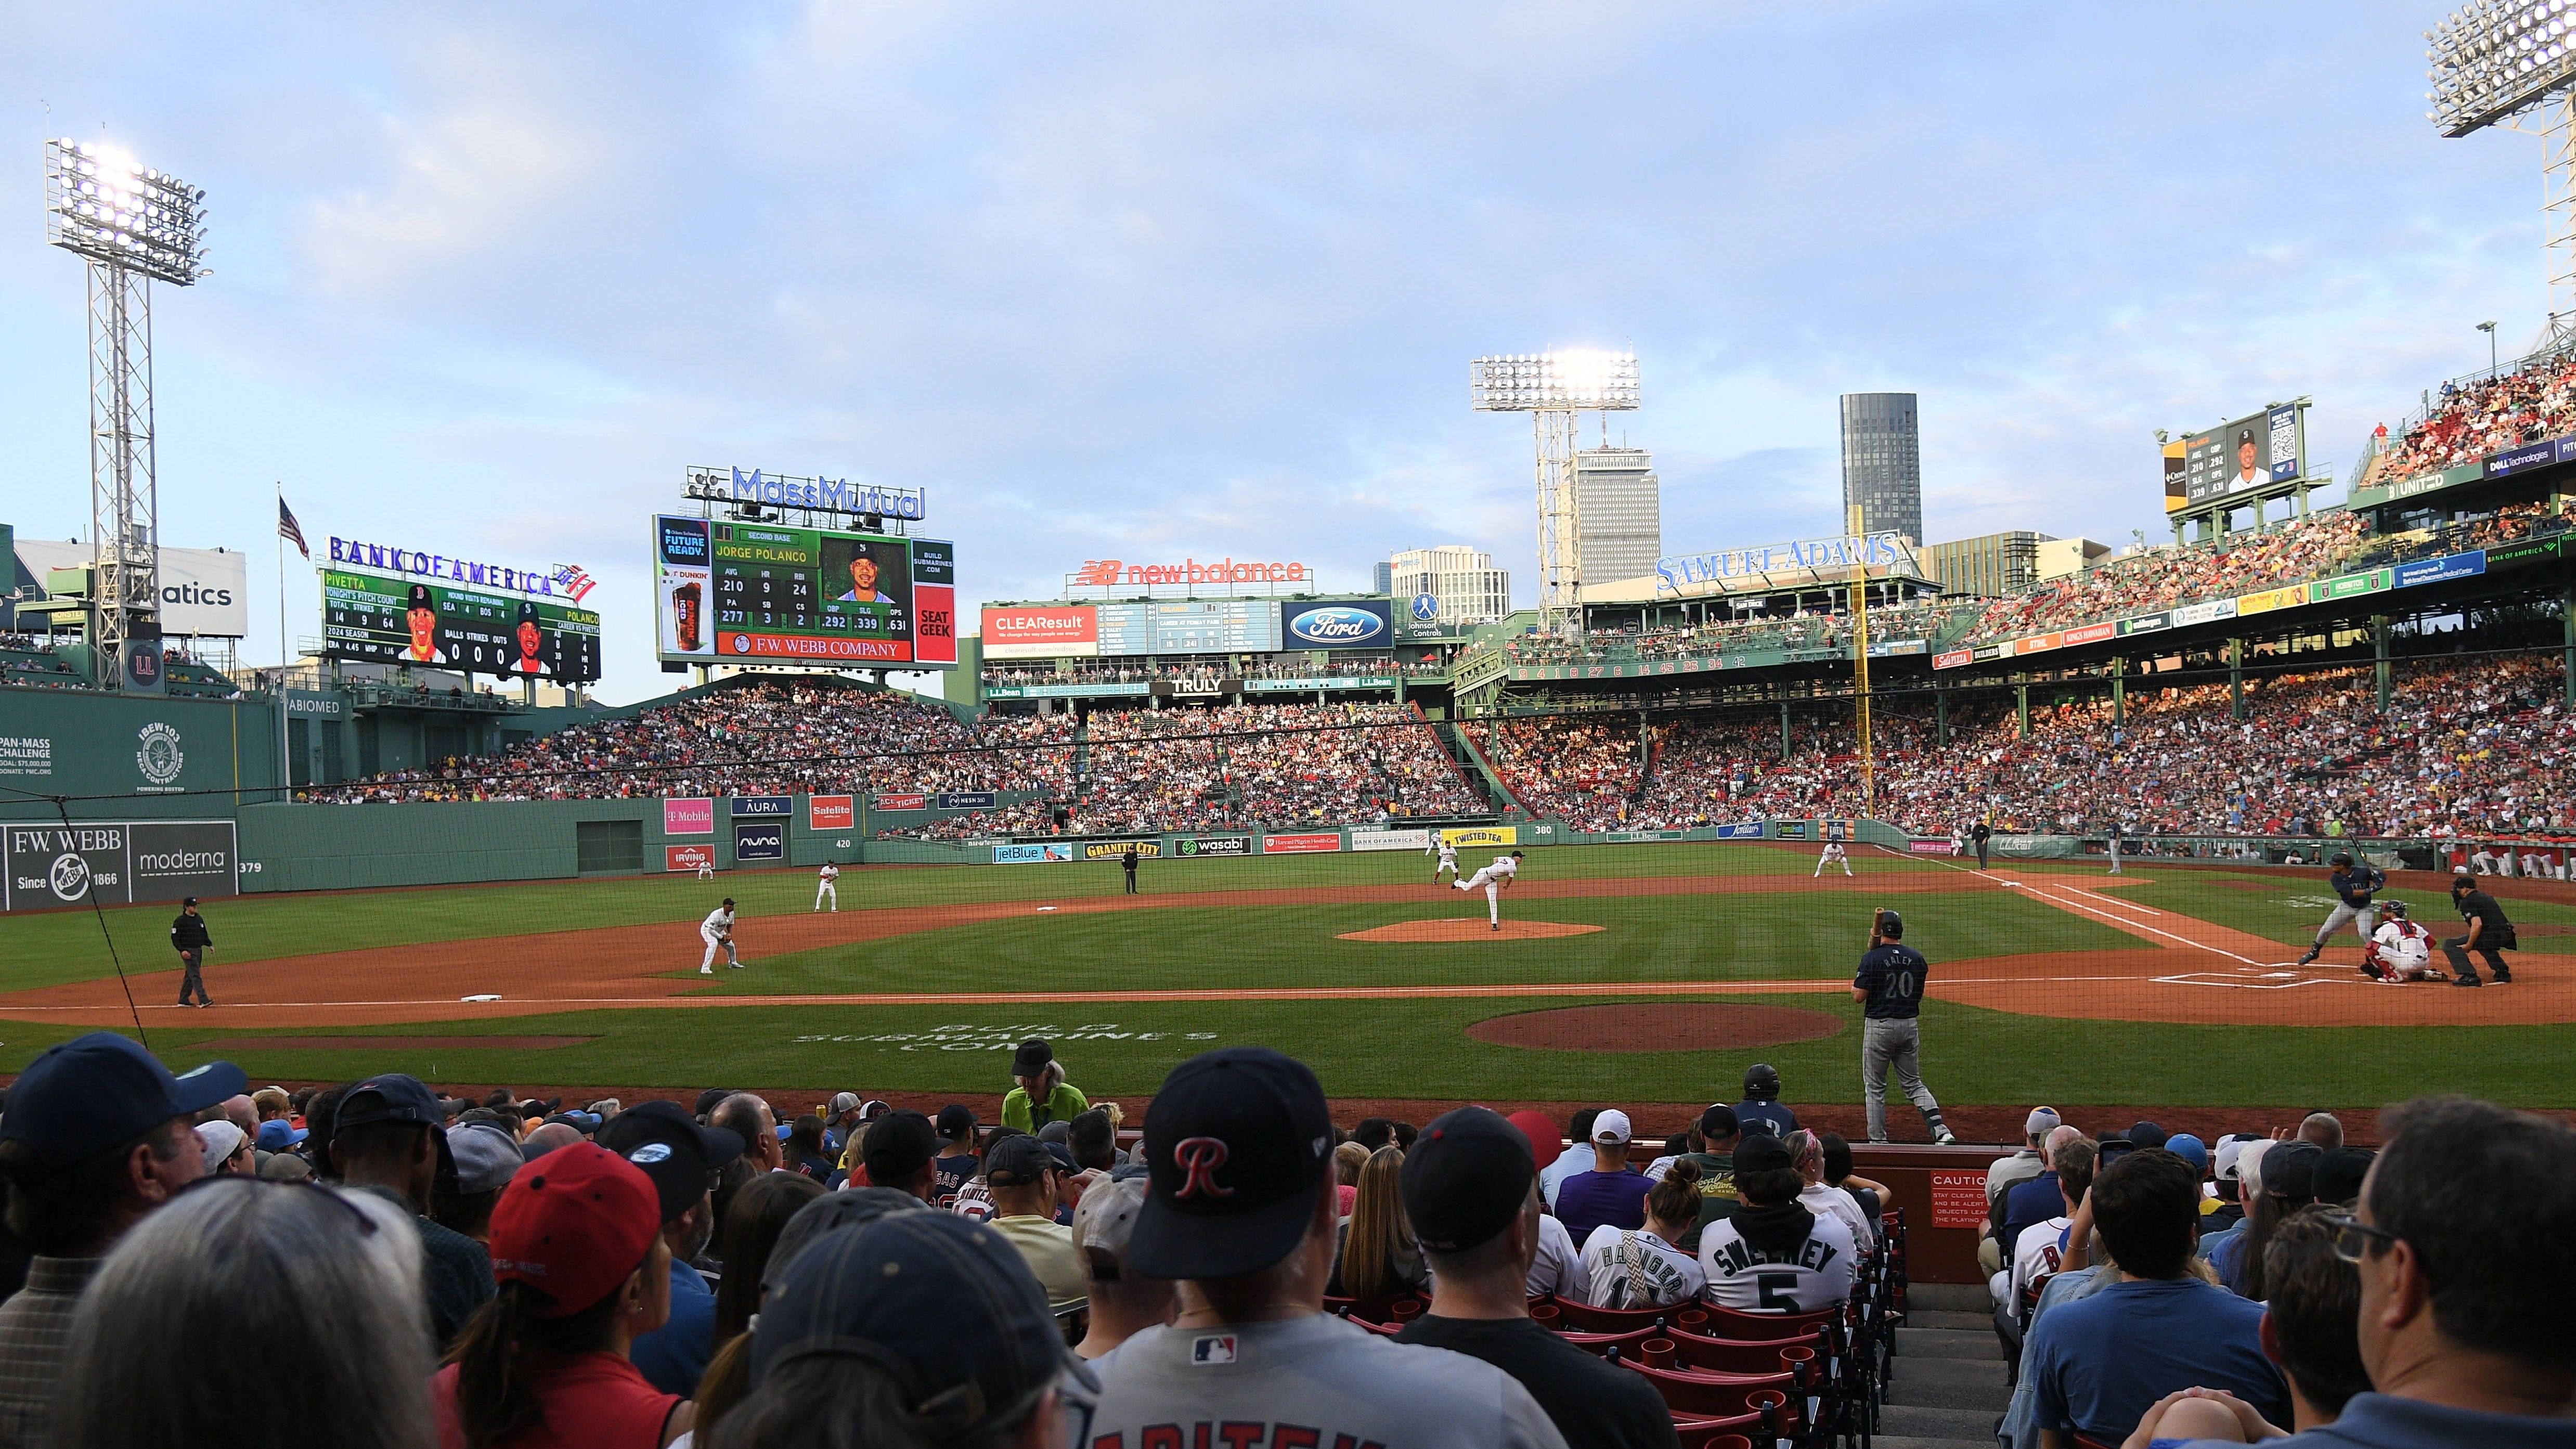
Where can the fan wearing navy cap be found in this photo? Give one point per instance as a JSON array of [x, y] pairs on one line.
[[97, 1137], [578, 1247], [913, 1328], [1240, 1204], [386, 1139], [1471, 1191], [1774, 1254], [956, 1161], [682, 1160]]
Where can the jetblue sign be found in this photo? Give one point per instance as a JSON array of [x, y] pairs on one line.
[[1351, 624], [1865, 550], [831, 495]]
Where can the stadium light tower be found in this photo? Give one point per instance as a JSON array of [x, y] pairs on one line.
[[2504, 63], [134, 226], [1556, 388]]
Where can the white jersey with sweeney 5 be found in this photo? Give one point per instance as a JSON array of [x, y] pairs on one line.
[[1313, 1379], [1813, 1273]]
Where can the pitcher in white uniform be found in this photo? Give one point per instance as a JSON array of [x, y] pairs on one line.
[[1495, 878]]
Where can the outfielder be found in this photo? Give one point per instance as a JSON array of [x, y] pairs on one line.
[[2400, 950], [824, 886], [2353, 884], [707, 864], [1496, 879], [1833, 854], [1448, 857], [717, 931]]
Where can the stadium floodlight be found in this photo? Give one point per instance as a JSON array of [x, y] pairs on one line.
[[134, 226], [1556, 387], [2500, 62]]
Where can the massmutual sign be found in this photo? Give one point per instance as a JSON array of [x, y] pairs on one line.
[[1813, 555], [786, 490]]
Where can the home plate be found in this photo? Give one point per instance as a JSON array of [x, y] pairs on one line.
[[491, 997]]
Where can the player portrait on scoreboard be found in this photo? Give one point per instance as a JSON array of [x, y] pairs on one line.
[[530, 639], [420, 616], [867, 571], [2251, 472]]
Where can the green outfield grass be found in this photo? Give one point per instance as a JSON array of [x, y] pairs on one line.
[[1379, 1047], [1417, 1049]]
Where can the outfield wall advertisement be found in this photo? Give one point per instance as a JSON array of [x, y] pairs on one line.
[[119, 863]]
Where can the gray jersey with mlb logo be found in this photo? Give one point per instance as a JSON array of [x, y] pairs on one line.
[[1315, 1382]]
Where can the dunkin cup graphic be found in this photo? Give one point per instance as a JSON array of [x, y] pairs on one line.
[[685, 603]]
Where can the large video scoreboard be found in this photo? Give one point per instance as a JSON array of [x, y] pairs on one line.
[[389, 619], [726, 590]]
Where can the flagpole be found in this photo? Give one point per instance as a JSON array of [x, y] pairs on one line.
[[285, 758]]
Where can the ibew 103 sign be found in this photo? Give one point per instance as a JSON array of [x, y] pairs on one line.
[[1352, 625]]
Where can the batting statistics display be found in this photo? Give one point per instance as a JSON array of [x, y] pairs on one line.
[[2246, 456], [733, 590], [382, 619]]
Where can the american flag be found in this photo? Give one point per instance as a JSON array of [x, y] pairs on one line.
[[289, 529]]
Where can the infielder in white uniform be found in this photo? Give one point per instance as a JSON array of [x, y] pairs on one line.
[[1834, 854], [2400, 950], [1448, 862], [823, 887], [717, 931], [1496, 879]]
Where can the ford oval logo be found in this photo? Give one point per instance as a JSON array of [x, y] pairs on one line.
[[1335, 626]]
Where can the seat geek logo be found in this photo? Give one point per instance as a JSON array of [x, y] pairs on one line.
[[1338, 626]]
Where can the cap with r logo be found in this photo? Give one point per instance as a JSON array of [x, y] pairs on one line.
[[1237, 1144]]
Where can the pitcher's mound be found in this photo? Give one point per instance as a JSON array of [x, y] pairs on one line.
[[1679, 1026], [1468, 928]]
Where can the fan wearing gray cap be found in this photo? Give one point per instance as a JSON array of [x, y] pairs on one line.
[[1240, 1203], [97, 1137], [386, 1139], [486, 1160], [682, 1158], [1123, 1301], [914, 1329], [1027, 1179], [1471, 1190]]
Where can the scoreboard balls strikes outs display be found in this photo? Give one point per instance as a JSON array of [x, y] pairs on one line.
[[727, 590], [394, 620]]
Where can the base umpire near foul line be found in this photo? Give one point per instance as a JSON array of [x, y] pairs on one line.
[[1890, 988]]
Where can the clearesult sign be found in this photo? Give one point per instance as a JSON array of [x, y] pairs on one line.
[[119, 863]]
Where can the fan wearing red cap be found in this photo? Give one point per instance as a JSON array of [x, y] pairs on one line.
[[584, 1269]]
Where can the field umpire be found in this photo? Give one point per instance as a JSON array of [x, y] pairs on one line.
[[2490, 935], [1890, 988], [188, 937]]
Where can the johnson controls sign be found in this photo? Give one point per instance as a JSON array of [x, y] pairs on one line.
[[1344, 624]]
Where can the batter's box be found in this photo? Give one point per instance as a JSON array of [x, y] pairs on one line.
[[2268, 981]]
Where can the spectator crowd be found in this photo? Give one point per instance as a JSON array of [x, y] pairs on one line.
[[376, 1264]]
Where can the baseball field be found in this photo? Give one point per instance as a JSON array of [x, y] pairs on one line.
[[1645, 974]]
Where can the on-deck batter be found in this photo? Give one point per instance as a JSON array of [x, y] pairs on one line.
[[1495, 878]]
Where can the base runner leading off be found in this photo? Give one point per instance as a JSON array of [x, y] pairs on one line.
[[717, 931], [1496, 879]]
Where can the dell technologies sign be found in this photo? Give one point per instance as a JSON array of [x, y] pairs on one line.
[[1344, 624]]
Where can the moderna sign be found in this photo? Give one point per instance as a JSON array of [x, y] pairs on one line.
[[1356, 624]]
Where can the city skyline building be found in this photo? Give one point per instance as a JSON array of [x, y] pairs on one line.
[[1618, 507], [1463, 581], [1883, 462]]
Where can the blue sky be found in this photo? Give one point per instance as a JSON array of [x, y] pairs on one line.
[[1156, 281]]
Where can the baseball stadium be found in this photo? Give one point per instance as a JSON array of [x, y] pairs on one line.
[[1808, 977]]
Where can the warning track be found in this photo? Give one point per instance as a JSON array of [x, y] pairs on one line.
[[2185, 970]]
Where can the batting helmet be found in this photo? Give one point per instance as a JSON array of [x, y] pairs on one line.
[[1888, 923], [2343, 857], [1761, 1083]]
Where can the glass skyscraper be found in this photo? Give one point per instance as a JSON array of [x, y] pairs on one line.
[[1883, 462]]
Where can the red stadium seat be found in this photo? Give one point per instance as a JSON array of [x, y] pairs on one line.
[[1722, 1395], [1719, 1322], [1703, 1354], [1627, 1345], [1718, 1433], [1588, 1319]]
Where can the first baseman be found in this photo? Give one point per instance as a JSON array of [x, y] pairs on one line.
[[717, 931], [2353, 885], [1496, 879]]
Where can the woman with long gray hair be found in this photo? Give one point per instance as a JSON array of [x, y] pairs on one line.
[[238, 1281]]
